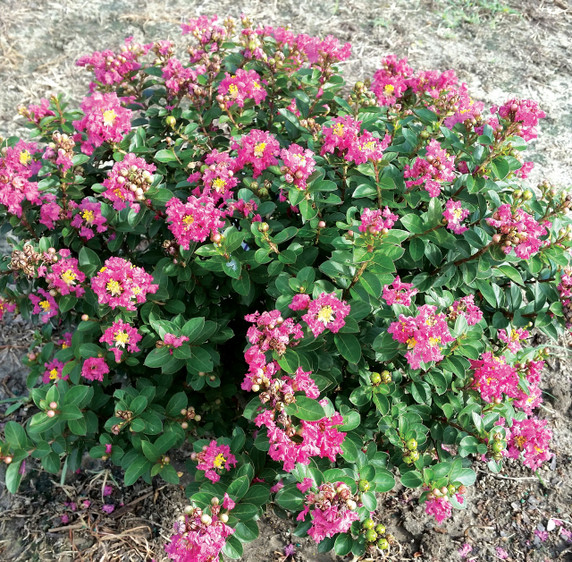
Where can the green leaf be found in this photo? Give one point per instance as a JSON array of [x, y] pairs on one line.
[[150, 451], [13, 477], [369, 501], [257, 495], [15, 435], [177, 403], [412, 479], [246, 531], [78, 427], [169, 474], [290, 498], [238, 487], [232, 548], [512, 273], [157, 357], [343, 544], [384, 480], [349, 347], [306, 409], [139, 466], [89, 261]]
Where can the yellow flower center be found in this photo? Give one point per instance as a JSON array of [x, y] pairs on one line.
[[233, 90], [109, 117], [219, 461], [88, 216], [435, 341], [219, 184], [119, 193], [411, 343], [25, 157], [188, 220], [389, 89], [114, 287], [339, 129], [256, 85], [458, 213], [45, 305], [53, 374], [121, 338], [68, 277], [520, 441], [368, 146], [259, 149], [326, 314]]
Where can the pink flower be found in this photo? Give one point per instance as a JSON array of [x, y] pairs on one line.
[[244, 85], [398, 292], [501, 553], [65, 519], [439, 507], [329, 511], [512, 337], [50, 211], [198, 540], [218, 177], [194, 220], [432, 170], [104, 120], [257, 148], [425, 335], [173, 341], [326, 312], [298, 165], [519, 231], [277, 487], [108, 448], [107, 490], [454, 214], [179, 80], [525, 113], [94, 369], [120, 336], [108, 508], [389, 83], [88, 218], [46, 307], [7, 306], [377, 222], [65, 275], [214, 458], [120, 283], [542, 535], [53, 372], [17, 166], [35, 113], [493, 378], [300, 301], [128, 181], [465, 550], [529, 438], [466, 307], [530, 400], [305, 485], [114, 68], [272, 332]]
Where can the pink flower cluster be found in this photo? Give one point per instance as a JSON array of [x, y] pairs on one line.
[[257, 148], [398, 292], [454, 214], [330, 510], [7, 306], [344, 138], [244, 85], [65, 275], [200, 537], [524, 112], [120, 283], [104, 120], [425, 335], [174, 341], [520, 231], [512, 337], [300, 301], [432, 170], [326, 312], [439, 507], [493, 377], [377, 221], [194, 220], [53, 372], [298, 165], [46, 307], [128, 181], [528, 401], [179, 79], [466, 307], [529, 439], [114, 68], [17, 166], [214, 457], [318, 439], [565, 290], [218, 178], [94, 369], [272, 332], [35, 113], [121, 336], [87, 218]]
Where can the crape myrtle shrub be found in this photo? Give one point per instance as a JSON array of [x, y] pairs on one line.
[[321, 289]]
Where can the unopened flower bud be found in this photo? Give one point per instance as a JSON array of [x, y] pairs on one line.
[[189, 510], [223, 517], [8, 460], [206, 519], [185, 425], [50, 413], [53, 405]]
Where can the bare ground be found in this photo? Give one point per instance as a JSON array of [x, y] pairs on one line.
[[502, 49]]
